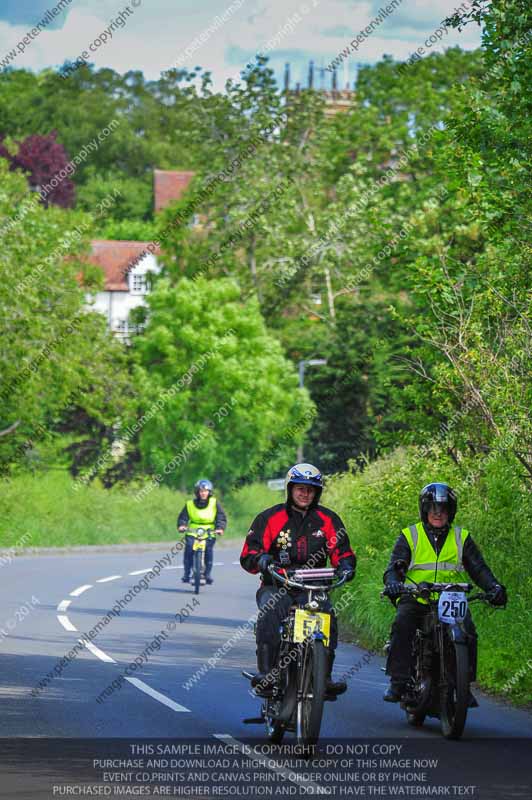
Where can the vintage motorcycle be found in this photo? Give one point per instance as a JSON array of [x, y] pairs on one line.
[[439, 685], [301, 667], [199, 544]]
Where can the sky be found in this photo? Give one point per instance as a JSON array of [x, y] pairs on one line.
[[155, 35]]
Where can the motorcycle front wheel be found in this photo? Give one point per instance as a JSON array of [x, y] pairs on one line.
[[455, 691], [198, 554], [310, 705]]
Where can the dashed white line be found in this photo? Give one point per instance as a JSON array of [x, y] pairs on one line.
[[235, 562], [157, 695], [179, 567], [80, 590], [110, 578], [65, 622], [97, 652], [139, 571], [63, 605]]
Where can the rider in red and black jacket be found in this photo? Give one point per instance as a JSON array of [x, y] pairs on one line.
[[297, 533]]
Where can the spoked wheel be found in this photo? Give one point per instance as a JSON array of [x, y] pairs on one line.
[[197, 570], [454, 692], [310, 706]]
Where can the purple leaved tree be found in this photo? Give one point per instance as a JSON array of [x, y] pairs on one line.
[[45, 161]]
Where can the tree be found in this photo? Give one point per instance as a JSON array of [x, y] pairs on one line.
[[43, 158], [56, 355], [471, 283], [221, 382]]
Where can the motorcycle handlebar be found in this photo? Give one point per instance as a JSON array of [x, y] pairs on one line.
[[287, 581], [198, 530], [428, 588]]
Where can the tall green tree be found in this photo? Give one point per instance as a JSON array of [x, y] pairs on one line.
[[222, 382], [56, 354]]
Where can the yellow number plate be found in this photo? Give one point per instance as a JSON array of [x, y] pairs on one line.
[[306, 623], [199, 544]]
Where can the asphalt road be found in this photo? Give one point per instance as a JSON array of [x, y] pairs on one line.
[[48, 602]]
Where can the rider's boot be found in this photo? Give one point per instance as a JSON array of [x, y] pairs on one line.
[[263, 681], [208, 578], [333, 688], [394, 692], [186, 578]]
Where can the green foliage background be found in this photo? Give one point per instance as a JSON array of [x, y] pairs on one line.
[[376, 504]]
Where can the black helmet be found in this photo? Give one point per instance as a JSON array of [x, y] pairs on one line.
[[437, 493], [203, 483], [307, 474]]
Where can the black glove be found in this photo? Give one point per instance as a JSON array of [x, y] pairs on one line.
[[344, 572], [264, 562], [394, 589], [497, 595]]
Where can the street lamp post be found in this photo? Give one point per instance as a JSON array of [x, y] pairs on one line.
[[310, 362]]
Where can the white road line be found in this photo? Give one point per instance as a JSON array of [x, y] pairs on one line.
[[266, 761], [97, 652], [65, 622], [157, 695], [236, 562], [63, 605], [80, 590], [139, 571], [180, 567], [218, 564], [110, 578]]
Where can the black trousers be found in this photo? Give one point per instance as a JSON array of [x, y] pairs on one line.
[[274, 606], [408, 618], [188, 556]]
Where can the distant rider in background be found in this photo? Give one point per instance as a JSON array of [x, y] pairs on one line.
[[203, 511], [431, 550]]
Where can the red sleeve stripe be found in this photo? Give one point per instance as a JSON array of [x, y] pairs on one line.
[[273, 528]]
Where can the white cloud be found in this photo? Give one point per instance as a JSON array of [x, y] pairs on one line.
[[160, 30]]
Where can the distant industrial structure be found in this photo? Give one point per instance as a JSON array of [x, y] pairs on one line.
[[336, 100]]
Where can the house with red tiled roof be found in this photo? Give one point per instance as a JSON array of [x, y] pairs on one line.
[[126, 265], [168, 186]]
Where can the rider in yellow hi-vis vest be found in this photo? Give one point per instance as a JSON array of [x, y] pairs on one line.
[[203, 511], [426, 564], [432, 550]]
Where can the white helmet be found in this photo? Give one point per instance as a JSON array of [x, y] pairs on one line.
[[306, 474]]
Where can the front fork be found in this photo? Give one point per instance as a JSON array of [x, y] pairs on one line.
[[447, 635]]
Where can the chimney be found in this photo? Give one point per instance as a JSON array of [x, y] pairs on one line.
[[311, 75], [334, 80], [286, 77]]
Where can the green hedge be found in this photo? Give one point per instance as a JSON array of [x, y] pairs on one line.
[[44, 510], [377, 503]]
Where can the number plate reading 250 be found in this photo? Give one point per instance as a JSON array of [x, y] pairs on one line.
[[452, 607], [307, 623]]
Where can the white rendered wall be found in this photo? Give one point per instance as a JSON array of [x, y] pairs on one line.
[[117, 305]]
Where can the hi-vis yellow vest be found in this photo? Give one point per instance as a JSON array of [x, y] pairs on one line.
[[426, 565], [201, 517]]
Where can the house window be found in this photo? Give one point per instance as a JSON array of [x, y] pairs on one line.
[[138, 283], [121, 326]]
